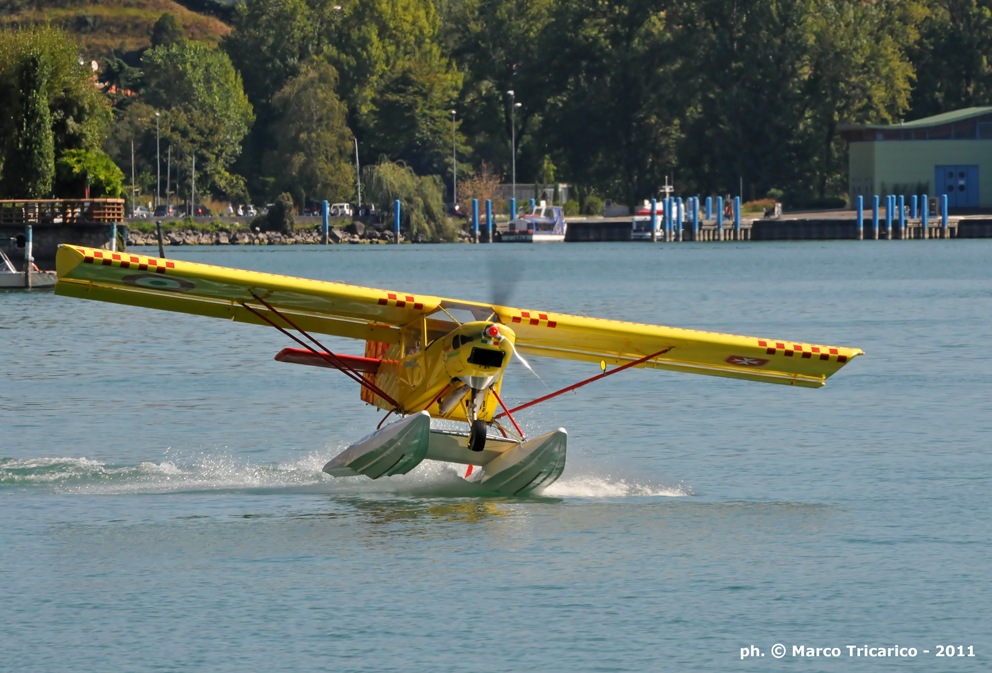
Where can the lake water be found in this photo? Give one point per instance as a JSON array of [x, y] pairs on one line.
[[162, 506]]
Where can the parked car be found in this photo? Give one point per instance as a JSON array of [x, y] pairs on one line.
[[166, 211], [250, 211], [201, 211], [341, 210], [141, 211]]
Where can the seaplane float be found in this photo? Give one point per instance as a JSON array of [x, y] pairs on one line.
[[429, 358]]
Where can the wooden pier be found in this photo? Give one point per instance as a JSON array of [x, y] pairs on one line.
[[89, 222]]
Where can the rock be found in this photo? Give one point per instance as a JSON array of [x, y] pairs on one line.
[[222, 239], [336, 235], [356, 228], [174, 239]]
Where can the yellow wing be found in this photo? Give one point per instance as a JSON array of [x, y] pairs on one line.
[[378, 315]]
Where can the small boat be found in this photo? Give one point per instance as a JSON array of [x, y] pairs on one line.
[[11, 278], [544, 224]]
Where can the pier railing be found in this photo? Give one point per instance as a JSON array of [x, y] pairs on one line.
[[62, 211]]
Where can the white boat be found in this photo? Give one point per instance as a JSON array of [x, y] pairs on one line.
[[11, 278], [642, 219], [544, 224]]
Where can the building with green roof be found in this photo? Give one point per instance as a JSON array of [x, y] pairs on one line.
[[949, 153]]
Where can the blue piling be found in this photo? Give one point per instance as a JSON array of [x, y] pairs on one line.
[[695, 218], [325, 212], [914, 206], [489, 221], [902, 216], [679, 217], [874, 216], [737, 218], [533, 204], [113, 237], [513, 209], [654, 220], [924, 215], [396, 219], [888, 216], [475, 220], [709, 207], [719, 218], [861, 218], [943, 214]]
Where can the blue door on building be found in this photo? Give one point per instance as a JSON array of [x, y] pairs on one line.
[[960, 183]]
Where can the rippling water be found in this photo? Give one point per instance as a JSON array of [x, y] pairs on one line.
[[163, 506]]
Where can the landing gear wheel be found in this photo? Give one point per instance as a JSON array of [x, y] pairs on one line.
[[477, 437]]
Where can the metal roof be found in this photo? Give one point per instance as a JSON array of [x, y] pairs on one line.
[[926, 122]]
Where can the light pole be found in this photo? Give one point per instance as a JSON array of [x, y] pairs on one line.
[[454, 163], [358, 169], [158, 164], [513, 139]]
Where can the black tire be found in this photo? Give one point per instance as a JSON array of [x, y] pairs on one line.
[[477, 437]]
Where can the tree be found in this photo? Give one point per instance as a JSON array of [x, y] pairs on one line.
[[167, 31], [481, 185], [421, 204], [611, 117], [953, 58], [47, 105], [206, 110], [311, 138], [78, 169]]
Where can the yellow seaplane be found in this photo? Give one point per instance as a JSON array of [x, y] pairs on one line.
[[433, 358]]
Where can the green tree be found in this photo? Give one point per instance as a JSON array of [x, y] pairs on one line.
[[34, 150], [311, 138], [611, 117], [206, 110], [43, 86], [78, 168], [421, 202], [167, 31], [953, 58]]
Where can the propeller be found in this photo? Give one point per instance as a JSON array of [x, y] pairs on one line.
[[502, 287]]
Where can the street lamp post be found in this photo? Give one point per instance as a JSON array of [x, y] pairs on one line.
[[158, 165], [358, 169], [513, 139], [454, 163]]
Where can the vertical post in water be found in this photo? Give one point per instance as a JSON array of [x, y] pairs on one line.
[[719, 218], [902, 216], [324, 212], [914, 211], [943, 215], [475, 220], [874, 216], [161, 243], [888, 217], [28, 256], [533, 204], [396, 220], [679, 218], [709, 207], [654, 220], [861, 218], [737, 218], [489, 221], [925, 215], [695, 218], [513, 209], [113, 237]]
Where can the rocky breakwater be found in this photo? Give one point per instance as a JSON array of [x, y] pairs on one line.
[[219, 234]]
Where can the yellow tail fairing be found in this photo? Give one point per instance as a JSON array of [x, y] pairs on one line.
[[382, 316]]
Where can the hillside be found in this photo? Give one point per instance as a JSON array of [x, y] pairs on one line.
[[103, 26]]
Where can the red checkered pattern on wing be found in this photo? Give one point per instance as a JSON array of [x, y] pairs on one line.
[[125, 261], [805, 351], [531, 318], [400, 301]]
